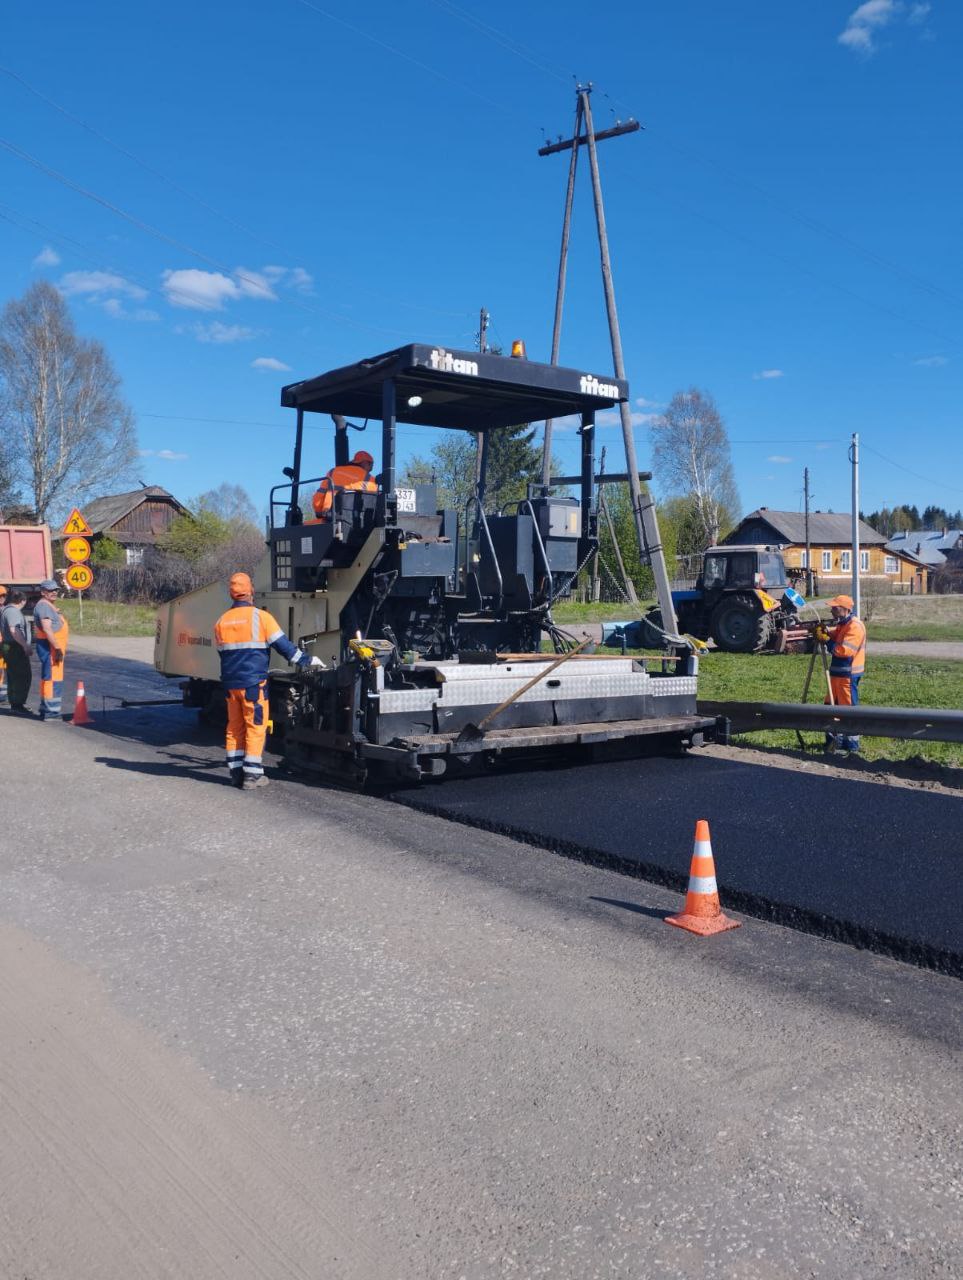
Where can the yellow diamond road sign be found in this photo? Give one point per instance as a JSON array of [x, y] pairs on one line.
[[77, 550], [76, 524], [78, 577]]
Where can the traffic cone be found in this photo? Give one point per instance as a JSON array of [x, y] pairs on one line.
[[81, 714], [702, 913]]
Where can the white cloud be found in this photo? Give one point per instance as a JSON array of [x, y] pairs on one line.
[[643, 403], [47, 257], [217, 331], [269, 362], [99, 286], [778, 457], [211, 290], [612, 418], [292, 277], [768, 373], [932, 362], [866, 22], [165, 455], [115, 307]]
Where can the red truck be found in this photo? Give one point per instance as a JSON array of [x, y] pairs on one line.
[[25, 556]]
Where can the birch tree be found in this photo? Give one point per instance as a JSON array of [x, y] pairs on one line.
[[69, 431], [690, 454]]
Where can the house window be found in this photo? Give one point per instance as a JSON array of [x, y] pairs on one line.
[[827, 561], [864, 562], [804, 559], [845, 561], [135, 555], [891, 565]]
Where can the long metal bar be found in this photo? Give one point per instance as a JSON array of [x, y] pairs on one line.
[[560, 288], [587, 434], [914, 723], [614, 477], [296, 464], [388, 411], [630, 126], [643, 508]]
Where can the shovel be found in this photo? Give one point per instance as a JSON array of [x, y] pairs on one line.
[[474, 732]]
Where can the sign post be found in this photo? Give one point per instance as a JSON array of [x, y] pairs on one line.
[[79, 576]]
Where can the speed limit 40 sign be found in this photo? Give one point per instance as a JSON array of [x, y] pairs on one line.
[[78, 577]]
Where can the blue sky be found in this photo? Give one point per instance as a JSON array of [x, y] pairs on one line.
[[308, 184]]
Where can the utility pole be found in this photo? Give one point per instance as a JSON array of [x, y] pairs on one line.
[[560, 287], [854, 459], [643, 507], [483, 320], [809, 549]]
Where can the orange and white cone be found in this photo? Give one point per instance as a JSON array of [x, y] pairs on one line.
[[702, 913], [81, 714]]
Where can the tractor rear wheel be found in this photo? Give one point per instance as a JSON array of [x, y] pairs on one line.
[[740, 626]]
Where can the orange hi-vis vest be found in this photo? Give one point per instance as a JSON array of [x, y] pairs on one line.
[[848, 648], [339, 480]]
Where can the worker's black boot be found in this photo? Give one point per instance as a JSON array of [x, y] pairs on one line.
[[237, 777]]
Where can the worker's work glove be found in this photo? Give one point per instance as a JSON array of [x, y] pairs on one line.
[[58, 655], [313, 662], [822, 635]]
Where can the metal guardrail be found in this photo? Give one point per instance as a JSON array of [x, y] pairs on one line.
[[920, 724]]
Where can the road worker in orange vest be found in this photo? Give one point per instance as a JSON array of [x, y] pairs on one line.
[[244, 637], [51, 635], [847, 648], [355, 474]]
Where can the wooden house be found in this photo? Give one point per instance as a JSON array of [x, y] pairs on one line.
[[135, 520], [831, 547]]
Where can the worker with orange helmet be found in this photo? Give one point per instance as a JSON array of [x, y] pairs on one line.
[[244, 637], [355, 474], [847, 647]]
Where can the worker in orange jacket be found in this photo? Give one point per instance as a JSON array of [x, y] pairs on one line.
[[847, 648], [355, 474], [244, 637]]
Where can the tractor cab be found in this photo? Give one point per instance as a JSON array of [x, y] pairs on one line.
[[742, 568]]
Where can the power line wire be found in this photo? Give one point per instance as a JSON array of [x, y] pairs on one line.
[[940, 484], [260, 284]]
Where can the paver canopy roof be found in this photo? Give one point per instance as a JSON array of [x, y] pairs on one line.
[[439, 387]]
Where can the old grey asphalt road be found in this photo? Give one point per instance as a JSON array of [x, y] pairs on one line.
[[306, 1033]]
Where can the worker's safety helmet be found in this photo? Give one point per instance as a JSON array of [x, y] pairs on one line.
[[3, 592], [363, 459], [842, 602], [240, 586]]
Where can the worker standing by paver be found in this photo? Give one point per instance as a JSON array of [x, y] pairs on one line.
[[847, 647], [51, 635], [15, 646], [244, 637]]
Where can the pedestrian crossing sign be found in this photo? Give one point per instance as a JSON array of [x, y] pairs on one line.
[[76, 524]]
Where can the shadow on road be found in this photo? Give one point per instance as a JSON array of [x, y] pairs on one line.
[[634, 907], [198, 769]]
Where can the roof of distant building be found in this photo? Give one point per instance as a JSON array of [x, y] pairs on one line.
[[926, 545], [102, 513], [826, 528]]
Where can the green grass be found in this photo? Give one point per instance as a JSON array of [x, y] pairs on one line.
[[104, 619], [889, 682], [569, 611], [911, 629]]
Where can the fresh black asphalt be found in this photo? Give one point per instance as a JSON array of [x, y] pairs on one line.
[[879, 867], [876, 866]]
